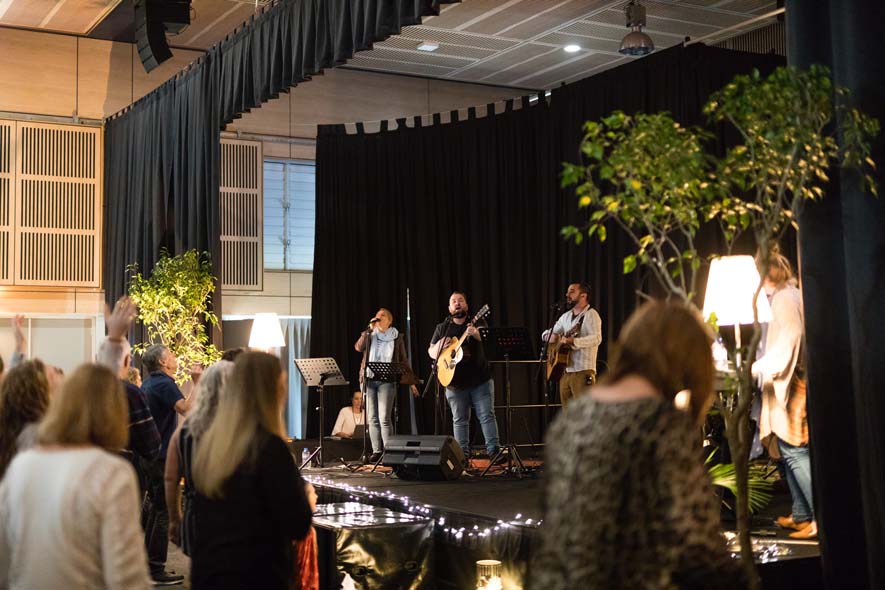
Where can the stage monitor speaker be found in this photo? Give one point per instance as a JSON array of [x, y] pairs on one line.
[[424, 457], [153, 18]]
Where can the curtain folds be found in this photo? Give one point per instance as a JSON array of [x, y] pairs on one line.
[[162, 152], [475, 205]]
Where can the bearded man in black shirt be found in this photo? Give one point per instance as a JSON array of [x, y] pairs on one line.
[[472, 383]]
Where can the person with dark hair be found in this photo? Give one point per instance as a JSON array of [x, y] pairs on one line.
[[628, 503], [381, 342], [24, 399], [250, 501], [783, 422], [69, 507], [166, 402], [231, 354], [472, 383], [579, 329]]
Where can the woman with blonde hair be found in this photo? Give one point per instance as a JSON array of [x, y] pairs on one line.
[[249, 501], [72, 498], [180, 456], [628, 503]]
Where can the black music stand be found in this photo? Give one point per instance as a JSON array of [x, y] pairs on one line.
[[507, 345], [320, 372], [399, 373]]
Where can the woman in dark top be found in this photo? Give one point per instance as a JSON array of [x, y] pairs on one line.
[[250, 500], [628, 504]]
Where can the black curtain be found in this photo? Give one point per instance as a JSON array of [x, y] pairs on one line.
[[475, 205], [842, 245], [162, 152]]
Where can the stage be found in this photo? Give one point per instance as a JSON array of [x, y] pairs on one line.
[[497, 517]]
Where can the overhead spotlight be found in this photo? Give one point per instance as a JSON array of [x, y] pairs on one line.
[[428, 46], [572, 48], [636, 42]]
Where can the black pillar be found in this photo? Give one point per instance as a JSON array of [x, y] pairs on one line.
[[842, 259]]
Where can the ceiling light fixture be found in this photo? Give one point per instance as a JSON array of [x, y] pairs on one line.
[[636, 42], [428, 46], [572, 48]]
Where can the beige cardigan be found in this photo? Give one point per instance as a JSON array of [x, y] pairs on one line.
[[783, 400]]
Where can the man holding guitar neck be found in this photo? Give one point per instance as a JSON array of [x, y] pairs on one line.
[[580, 330], [472, 382]]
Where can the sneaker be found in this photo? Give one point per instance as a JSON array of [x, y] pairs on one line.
[[501, 460], [373, 458], [164, 578]]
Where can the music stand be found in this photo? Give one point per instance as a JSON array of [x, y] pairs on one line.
[[319, 373], [399, 373], [508, 345]]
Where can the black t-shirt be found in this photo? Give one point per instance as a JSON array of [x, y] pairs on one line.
[[473, 368]]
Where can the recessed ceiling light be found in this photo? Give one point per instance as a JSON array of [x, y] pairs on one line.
[[572, 48], [428, 46]]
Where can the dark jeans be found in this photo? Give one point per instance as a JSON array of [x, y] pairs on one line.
[[155, 516]]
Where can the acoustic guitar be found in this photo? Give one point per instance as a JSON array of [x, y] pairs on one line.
[[559, 355], [451, 355]]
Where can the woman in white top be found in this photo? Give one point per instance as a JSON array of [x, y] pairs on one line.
[[69, 515], [350, 417]]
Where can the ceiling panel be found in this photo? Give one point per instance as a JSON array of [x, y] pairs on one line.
[[518, 43]]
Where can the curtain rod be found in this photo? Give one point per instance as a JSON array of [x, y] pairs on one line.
[[745, 23], [305, 141]]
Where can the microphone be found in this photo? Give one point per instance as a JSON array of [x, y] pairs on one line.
[[374, 320]]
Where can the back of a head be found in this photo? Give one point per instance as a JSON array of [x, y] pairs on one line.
[[24, 398], [780, 271], [90, 408], [667, 344], [250, 404]]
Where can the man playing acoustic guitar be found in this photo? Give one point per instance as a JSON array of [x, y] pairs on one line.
[[472, 382], [579, 332]]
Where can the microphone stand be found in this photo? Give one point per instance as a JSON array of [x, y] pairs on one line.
[[368, 336], [545, 346], [432, 377]]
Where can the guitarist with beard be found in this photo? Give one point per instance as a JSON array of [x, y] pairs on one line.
[[579, 330], [472, 383]]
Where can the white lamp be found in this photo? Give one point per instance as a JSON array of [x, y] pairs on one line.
[[488, 574], [730, 287], [266, 332]]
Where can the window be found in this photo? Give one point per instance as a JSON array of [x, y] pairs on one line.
[[289, 213]]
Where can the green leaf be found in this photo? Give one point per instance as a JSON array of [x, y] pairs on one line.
[[629, 264]]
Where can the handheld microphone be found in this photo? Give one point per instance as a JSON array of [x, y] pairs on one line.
[[374, 320]]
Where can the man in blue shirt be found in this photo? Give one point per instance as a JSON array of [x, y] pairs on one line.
[[166, 402]]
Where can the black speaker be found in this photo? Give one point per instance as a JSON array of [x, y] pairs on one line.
[[425, 457], [152, 19]]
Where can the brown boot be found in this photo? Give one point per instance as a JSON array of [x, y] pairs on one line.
[[787, 522], [809, 532]]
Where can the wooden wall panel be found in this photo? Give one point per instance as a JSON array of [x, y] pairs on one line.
[[272, 118], [446, 96], [38, 74], [104, 77], [143, 82]]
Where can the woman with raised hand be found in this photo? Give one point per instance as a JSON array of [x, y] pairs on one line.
[[69, 508], [249, 501]]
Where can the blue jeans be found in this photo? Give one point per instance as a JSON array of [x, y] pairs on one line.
[[482, 397], [379, 407], [797, 464]]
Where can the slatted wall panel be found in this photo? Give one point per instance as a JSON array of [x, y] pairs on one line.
[[7, 201], [58, 205], [242, 218]]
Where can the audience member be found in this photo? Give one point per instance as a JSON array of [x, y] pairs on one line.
[[24, 399], [165, 401], [68, 508], [628, 503], [179, 459], [133, 376], [350, 417], [232, 353], [18, 355], [783, 422], [250, 500]]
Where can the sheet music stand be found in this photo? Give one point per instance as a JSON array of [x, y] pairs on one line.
[[320, 372], [508, 345], [399, 373]]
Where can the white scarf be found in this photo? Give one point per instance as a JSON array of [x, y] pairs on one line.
[[383, 345]]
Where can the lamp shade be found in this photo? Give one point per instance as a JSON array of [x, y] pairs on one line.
[[730, 287], [266, 332]]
